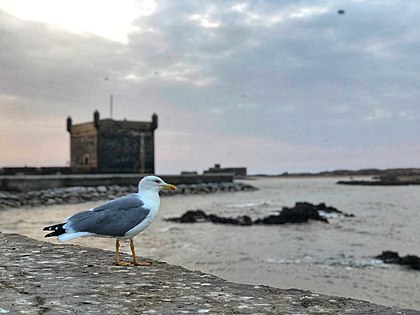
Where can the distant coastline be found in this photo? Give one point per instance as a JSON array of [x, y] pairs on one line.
[[390, 176], [384, 181], [361, 172], [379, 177]]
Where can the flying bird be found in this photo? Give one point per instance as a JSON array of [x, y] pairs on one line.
[[122, 218]]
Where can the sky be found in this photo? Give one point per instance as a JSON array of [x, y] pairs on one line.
[[275, 86]]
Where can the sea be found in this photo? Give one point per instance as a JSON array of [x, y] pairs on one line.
[[335, 258]]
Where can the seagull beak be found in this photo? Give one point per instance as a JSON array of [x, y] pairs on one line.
[[169, 186]]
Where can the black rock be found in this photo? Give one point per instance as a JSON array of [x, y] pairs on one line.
[[390, 257], [191, 216], [302, 212], [241, 220], [328, 209], [412, 261], [194, 216]]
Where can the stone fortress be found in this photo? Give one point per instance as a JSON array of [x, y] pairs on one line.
[[112, 146], [107, 151]]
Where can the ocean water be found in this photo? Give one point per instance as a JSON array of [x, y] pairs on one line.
[[335, 258]]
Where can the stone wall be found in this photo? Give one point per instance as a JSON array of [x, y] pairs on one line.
[[121, 148], [78, 194], [44, 278], [113, 146], [83, 146], [38, 182]]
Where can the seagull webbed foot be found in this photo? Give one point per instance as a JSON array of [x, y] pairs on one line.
[[141, 263], [122, 263]]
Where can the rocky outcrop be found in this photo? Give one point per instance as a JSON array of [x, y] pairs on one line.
[[302, 212], [197, 216], [44, 278], [82, 194], [390, 257], [385, 180]]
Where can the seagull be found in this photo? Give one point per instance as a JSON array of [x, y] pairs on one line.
[[122, 218]]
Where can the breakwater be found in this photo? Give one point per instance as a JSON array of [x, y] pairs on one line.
[[43, 278], [77, 194], [23, 183]]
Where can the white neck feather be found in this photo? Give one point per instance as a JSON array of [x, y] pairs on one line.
[[151, 199]]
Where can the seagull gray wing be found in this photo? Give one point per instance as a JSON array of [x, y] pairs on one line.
[[113, 218]]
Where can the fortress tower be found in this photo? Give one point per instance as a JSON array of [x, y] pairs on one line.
[[113, 146]]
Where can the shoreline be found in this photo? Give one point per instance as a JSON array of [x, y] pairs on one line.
[[79, 194], [353, 180], [48, 278], [383, 181]]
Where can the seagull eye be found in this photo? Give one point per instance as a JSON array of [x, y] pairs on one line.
[[157, 181]]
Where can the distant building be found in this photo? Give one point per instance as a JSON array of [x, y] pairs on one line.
[[237, 171], [113, 146]]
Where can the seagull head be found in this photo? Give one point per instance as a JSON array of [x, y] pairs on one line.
[[154, 183]]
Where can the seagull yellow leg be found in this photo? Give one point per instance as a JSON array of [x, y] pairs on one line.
[[134, 261], [117, 255]]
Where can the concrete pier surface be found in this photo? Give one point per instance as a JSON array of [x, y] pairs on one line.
[[44, 278]]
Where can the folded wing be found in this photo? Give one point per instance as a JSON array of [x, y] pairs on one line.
[[113, 218]]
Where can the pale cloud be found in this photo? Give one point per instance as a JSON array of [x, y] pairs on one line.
[[108, 19], [205, 20], [379, 114], [308, 12], [273, 15], [269, 85], [409, 116], [186, 73]]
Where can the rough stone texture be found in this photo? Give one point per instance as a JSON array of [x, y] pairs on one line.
[[112, 146], [43, 278], [79, 194], [26, 183]]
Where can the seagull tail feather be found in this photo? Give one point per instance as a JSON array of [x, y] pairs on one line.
[[57, 229]]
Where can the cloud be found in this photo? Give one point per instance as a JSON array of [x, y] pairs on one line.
[[269, 83], [379, 114], [114, 21]]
